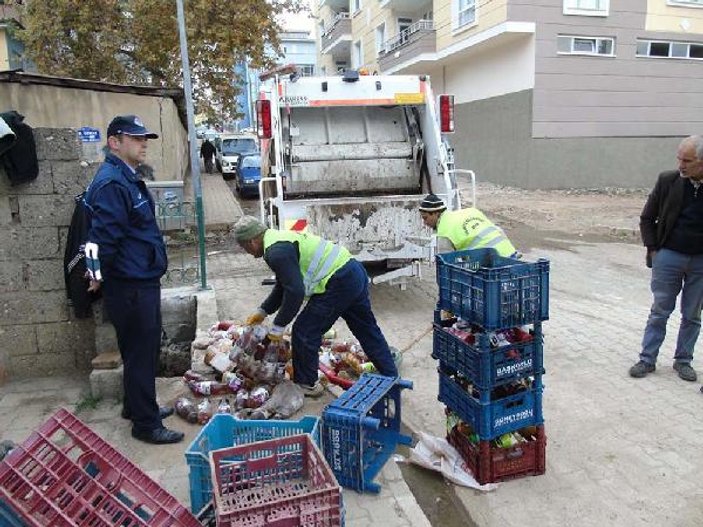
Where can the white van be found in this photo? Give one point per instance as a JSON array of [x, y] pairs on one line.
[[230, 147]]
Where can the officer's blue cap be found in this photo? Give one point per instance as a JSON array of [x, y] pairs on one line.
[[129, 125]]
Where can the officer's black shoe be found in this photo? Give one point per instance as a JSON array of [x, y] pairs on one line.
[[160, 436], [164, 412]]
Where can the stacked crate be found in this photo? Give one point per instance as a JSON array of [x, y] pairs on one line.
[[488, 340]]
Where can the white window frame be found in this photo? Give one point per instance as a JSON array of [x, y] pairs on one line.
[[696, 4], [357, 54], [471, 5], [571, 7], [355, 7], [587, 53], [380, 38], [671, 47]]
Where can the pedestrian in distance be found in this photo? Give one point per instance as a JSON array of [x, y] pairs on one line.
[[671, 225], [463, 229], [126, 258], [207, 152], [334, 284]]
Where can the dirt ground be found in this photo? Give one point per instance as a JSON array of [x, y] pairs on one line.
[[553, 216]]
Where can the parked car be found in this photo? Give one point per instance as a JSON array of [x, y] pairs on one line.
[[229, 148], [248, 174]]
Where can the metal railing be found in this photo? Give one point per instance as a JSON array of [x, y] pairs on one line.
[[328, 28], [403, 37]]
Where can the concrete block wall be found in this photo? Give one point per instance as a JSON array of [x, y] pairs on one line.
[[38, 333]]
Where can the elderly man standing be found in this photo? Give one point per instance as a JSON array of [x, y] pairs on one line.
[[671, 225], [463, 229], [335, 285]]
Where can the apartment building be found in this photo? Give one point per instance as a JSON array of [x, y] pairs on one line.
[[548, 93], [11, 49]]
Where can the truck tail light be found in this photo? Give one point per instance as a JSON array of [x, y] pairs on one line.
[[263, 118], [446, 113]]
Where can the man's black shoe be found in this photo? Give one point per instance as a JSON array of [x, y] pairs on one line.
[[164, 412], [160, 436]]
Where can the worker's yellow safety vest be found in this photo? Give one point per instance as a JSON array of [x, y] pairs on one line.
[[319, 259], [470, 229]]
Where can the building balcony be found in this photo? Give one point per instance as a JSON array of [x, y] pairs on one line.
[[336, 5], [406, 6], [336, 39], [416, 40]]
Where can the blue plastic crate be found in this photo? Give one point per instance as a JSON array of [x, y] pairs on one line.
[[494, 292], [8, 517], [493, 418], [361, 430], [224, 431], [488, 367]]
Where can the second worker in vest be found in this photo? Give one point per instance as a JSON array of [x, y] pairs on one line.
[[458, 230], [334, 284]]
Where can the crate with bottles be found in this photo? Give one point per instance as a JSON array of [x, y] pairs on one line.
[[510, 455]]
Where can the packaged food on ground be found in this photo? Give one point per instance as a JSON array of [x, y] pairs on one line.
[[331, 334], [242, 399], [258, 396], [204, 411], [220, 361], [191, 375], [234, 332], [187, 409], [208, 387], [224, 407], [224, 325], [202, 343], [233, 380], [341, 347]]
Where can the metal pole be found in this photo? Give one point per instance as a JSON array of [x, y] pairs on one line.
[[194, 159]]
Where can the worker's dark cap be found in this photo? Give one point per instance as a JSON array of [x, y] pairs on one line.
[[432, 203], [129, 125]]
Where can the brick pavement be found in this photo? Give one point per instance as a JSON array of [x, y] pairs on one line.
[[620, 451]]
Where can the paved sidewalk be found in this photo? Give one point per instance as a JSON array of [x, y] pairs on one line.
[[222, 210]]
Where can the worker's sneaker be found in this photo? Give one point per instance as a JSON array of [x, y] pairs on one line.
[[685, 371], [641, 369], [316, 390]]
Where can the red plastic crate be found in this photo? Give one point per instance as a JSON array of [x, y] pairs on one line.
[[490, 463], [283, 482], [65, 475]]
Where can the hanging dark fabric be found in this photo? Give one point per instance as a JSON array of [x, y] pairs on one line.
[[20, 160]]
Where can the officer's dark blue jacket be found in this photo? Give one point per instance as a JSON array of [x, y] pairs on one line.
[[123, 224]]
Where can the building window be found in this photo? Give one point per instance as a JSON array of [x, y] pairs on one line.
[[670, 50], [306, 70], [573, 45], [586, 7], [380, 38], [355, 6], [686, 3], [466, 13], [357, 55]]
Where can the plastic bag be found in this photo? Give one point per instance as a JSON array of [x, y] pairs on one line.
[[437, 454], [286, 399]]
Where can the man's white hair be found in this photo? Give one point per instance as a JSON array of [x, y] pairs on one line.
[[697, 142]]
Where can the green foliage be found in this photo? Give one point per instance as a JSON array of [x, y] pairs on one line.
[[137, 42], [87, 403]]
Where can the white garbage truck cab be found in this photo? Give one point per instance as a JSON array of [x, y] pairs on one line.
[[350, 157]]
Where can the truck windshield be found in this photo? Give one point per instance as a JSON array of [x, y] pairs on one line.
[[238, 146]]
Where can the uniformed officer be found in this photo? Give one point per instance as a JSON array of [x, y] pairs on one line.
[[126, 258]]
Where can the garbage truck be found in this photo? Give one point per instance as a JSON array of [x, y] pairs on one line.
[[350, 157]]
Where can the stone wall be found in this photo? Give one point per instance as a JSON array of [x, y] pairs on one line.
[[38, 333]]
